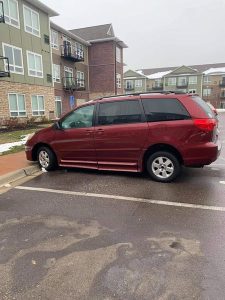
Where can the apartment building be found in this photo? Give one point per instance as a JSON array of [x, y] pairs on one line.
[[207, 80], [70, 69], [26, 87], [184, 79], [105, 57], [134, 82]]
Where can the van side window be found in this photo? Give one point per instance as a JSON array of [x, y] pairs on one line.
[[79, 118], [120, 112], [164, 110]]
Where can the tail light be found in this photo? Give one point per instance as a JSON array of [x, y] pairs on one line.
[[206, 125]]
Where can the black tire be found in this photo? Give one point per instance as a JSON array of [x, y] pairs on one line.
[[159, 162], [48, 156]]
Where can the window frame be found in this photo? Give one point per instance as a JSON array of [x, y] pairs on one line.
[[39, 25], [167, 99], [39, 115], [58, 99], [118, 55], [54, 45], [6, 65], [118, 80], [192, 82], [143, 118], [174, 81], [28, 67], [137, 81], [71, 112], [207, 94], [18, 116], [53, 73], [18, 15], [80, 79]]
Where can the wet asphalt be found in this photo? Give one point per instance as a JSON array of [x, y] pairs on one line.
[[64, 246]]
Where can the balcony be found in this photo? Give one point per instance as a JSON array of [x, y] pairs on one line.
[[71, 84], [157, 87], [222, 95], [222, 83], [71, 53], [129, 88], [2, 16], [5, 63], [182, 85]]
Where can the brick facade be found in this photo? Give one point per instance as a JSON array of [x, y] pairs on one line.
[[28, 90]]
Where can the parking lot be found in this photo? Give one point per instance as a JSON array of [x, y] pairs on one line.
[[78, 234]]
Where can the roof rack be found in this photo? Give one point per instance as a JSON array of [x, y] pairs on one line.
[[141, 93]]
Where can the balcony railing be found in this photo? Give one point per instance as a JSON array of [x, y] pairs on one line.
[[72, 53], [222, 83], [157, 87], [5, 63], [129, 88], [73, 84], [2, 16], [183, 84]]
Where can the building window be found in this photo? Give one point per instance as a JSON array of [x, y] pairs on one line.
[[17, 105], [54, 39], [118, 80], [79, 48], [56, 73], [222, 105], [129, 84], [80, 79], [207, 79], [118, 55], [11, 12], [182, 81], [158, 83], [206, 92], [15, 57], [68, 72], [35, 66], [172, 81], [38, 105], [138, 83], [58, 106], [193, 80], [31, 21]]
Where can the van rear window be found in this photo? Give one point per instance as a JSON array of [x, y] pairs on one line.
[[207, 109]]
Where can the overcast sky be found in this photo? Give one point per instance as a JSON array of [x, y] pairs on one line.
[[158, 32]]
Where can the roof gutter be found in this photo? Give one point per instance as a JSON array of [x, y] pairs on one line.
[[114, 39], [43, 7], [69, 34]]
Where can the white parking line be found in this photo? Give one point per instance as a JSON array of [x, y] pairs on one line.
[[123, 198]]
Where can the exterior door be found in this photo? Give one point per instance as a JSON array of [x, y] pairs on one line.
[[120, 134], [74, 142]]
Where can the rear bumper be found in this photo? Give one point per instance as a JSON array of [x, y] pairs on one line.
[[202, 154]]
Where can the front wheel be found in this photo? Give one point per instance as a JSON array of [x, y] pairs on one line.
[[46, 158], [163, 166]]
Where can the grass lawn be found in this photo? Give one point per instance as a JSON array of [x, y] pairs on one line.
[[14, 136], [14, 149]]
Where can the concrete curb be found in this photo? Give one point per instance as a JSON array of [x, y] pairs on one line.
[[18, 174]]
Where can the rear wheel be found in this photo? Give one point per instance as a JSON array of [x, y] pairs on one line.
[[46, 158], [163, 166]]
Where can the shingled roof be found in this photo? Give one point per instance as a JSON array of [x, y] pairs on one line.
[[95, 32], [98, 33], [199, 68]]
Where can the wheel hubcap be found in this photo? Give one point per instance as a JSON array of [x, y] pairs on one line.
[[162, 167], [44, 159]]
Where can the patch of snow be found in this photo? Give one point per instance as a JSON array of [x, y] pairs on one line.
[[158, 75], [214, 71], [7, 146]]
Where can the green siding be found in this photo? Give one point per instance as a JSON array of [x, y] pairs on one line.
[[19, 38]]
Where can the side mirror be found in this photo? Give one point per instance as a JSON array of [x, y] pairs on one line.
[[57, 125]]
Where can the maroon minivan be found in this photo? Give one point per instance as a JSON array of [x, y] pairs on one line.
[[157, 132]]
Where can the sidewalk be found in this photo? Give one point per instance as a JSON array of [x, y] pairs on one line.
[[13, 162]]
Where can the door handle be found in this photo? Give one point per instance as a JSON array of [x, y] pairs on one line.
[[100, 131], [89, 131]]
